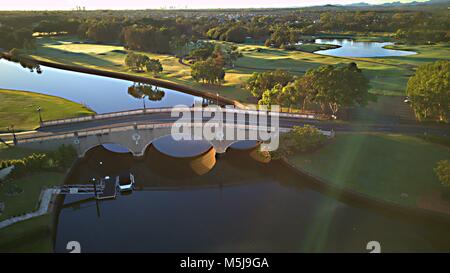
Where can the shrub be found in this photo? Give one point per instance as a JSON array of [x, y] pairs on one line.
[[299, 140], [442, 171], [60, 159]]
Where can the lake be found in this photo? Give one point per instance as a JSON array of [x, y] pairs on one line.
[[351, 48], [101, 94]]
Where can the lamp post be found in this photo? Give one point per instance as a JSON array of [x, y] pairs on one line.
[[39, 109], [217, 94], [11, 129], [143, 101]]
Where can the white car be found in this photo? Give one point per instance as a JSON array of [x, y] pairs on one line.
[[125, 182]]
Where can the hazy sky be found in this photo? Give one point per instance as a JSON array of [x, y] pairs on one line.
[[142, 4]]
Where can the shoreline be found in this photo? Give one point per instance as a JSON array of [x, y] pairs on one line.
[[57, 107], [346, 194], [123, 76]]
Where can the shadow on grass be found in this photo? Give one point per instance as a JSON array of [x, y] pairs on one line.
[[71, 58]]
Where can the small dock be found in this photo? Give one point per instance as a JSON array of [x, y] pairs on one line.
[[106, 189], [109, 189]]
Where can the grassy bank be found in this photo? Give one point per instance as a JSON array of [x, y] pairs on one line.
[[19, 108], [393, 168], [386, 75], [22, 195], [7, 153], [31, 236]]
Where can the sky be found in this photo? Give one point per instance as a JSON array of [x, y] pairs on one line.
[[156, 4]]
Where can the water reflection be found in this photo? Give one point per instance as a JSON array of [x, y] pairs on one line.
[[101, 94], [116, 148], [143, 91], [239, 205], [350, 48]]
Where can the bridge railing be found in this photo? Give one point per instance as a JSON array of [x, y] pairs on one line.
[[99, 132], [104, 116], [168, 110]]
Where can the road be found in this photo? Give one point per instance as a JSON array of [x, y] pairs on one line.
[[284, 122]]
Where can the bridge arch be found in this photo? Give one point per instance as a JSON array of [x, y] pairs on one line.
[[124, 149]]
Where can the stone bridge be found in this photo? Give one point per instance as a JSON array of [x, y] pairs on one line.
[[137, 129], [135, 138]]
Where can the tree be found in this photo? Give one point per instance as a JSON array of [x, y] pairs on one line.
[[293, 95], [337, 86], [262, 81], [271, 96], [236, 34], [429, 91], [136, 62], [231, 54], [207, 72], [154, 66], [104, 31], [149, 38], [218, 56], [442, 171], [202, 52], [299, 140], [282, 37]]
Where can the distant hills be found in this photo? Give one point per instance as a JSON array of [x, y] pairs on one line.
[[398, 4]]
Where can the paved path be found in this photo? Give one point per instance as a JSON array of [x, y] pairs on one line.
[[46, 197], [284, 122]]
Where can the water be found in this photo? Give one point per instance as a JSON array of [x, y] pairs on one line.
[[239, 205], [101, 94], [350, 48]]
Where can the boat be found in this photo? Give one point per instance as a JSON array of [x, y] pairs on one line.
[[125, 182]]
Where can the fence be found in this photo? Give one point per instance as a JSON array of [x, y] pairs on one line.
[[169, 110]]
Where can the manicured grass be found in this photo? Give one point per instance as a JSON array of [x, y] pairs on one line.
[[27, 200], [315, 47], [18, 108], [380, 165], [388, 76], [7, 153], [31, 236]]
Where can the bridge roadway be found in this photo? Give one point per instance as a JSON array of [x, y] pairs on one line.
[[285, 121]]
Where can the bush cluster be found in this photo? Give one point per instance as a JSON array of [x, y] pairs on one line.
[[299, 140], [57, 160]]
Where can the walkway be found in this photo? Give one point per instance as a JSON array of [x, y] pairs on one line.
[[46, 197]]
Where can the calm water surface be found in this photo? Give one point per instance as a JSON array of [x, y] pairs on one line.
[[240, 205], [350, 48], [101, 94]]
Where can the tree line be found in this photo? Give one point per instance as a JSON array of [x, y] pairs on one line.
[[164, 35], [331, 87]]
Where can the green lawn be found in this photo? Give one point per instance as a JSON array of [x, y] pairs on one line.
[[7, 153], [380, 165], [31, 187], [31, 236], [388, 75], [18, 108]]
